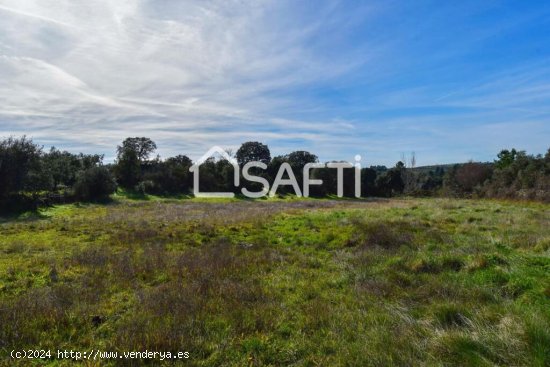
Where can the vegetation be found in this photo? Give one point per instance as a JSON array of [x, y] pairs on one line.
[[30, 178], [96, 183], [282, 282]]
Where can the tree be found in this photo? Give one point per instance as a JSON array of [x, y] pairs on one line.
[[128, 169], [329, 177], [391, 182], [432, 182], [96, 183], [505, 158], [466, 178], [253, 151], [300, 158], [131, 156], [20, 166], [64, 167], [519, 175], [141, 147], [171, 176], [179, 175], [225, 176], [208, 177], [368, 179], [297, 161], [472, 174], [410, 176]]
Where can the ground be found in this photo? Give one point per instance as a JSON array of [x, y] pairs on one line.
[[281, 282]]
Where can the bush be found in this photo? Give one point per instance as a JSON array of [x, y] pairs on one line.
[[20, 168], [94, 184], [467, 179]]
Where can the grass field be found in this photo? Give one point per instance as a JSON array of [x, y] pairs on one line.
[[282, 282]]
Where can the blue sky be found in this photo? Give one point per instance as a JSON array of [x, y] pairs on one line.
[[451, 81]]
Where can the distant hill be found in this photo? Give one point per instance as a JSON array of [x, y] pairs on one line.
[[444, 167]]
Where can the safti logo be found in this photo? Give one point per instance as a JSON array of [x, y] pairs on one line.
[[279, 180]]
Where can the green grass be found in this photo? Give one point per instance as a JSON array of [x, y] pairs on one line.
[[282, 282]]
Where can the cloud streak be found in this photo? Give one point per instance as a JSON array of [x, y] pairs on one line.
[[329, 77], [151, 67]]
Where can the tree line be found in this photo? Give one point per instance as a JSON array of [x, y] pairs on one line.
[[31, 177]]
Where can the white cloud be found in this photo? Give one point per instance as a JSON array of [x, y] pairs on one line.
[[195, 73], [179, 70]]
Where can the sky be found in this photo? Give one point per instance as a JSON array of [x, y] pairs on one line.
[[449, 80]]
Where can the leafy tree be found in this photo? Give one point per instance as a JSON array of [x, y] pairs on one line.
[[390, 183], [368, 182], [96, 183], [128, 169], [178, 178], [225, 176], [64, 167], [300, 158], [379, 169], [297, 161], [141, 147], [253, 151], [171, 176], [506, 158], [329, 176], [273, 167], [20, 166], [433, 181], [329, 186], [131, 156], [208, 177], [525, 176]]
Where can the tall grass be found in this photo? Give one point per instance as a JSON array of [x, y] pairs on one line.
[[245, 283]]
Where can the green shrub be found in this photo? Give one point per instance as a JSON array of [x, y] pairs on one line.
[[95, 184]]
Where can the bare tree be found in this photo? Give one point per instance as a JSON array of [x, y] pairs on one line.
[[408, 174]]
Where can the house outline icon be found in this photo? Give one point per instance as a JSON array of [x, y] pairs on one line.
[[195, 169]]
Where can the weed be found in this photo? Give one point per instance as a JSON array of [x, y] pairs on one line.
[[283, 282]]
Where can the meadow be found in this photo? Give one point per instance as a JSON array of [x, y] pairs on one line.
[[282, 282]]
